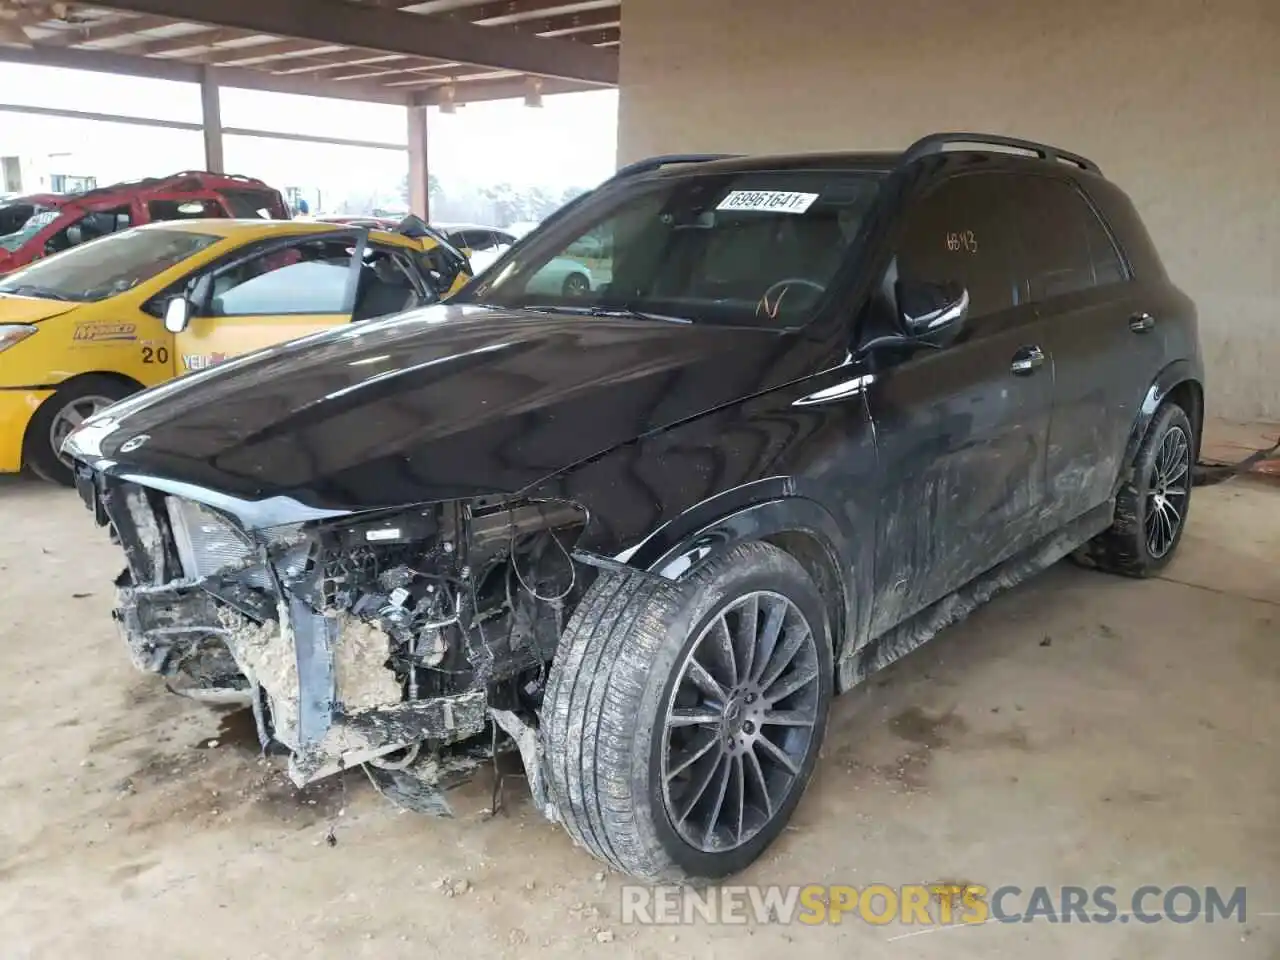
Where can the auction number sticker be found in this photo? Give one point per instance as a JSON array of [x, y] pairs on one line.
[[776, 201]]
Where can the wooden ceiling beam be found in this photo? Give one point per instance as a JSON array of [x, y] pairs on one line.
[[343, 23], [105, 30]]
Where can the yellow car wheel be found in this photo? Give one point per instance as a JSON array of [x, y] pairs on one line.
[[62, 413]]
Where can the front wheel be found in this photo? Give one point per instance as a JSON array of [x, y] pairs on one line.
[[58, 416], [576, 285], [682, 720], [1151, 508]]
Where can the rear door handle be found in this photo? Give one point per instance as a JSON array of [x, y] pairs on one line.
[[1027, 361], [1141, 322]]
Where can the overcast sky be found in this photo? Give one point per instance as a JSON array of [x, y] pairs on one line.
[[570, 141]]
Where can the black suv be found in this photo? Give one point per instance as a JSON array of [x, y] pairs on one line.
[[811, 410]]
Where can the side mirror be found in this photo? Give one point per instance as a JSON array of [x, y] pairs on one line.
[[930, 308], [177, 314]]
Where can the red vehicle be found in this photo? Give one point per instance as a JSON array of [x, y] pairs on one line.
[[41, 224]]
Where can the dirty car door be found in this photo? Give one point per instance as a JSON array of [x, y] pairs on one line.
[[275, 292], [960, 431], [1102, 330]]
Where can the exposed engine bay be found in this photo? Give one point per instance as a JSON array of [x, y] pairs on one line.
[[409, 641]]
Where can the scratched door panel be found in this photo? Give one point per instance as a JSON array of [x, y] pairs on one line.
[[961, 436], [1081, 289], [961, 443]]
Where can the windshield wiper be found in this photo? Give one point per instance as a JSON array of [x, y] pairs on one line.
[[31, 290], [618, 312]]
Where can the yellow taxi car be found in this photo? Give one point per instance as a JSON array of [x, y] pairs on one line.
[[85, 328]]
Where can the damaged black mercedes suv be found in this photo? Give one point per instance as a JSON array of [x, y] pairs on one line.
[[809, 410]]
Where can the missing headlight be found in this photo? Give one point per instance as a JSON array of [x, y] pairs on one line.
[[206, 543]]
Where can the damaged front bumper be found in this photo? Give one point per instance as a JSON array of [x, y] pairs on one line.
[[319, 683], [361, 642]]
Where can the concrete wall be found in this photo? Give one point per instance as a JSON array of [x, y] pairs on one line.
[[1177, 100]]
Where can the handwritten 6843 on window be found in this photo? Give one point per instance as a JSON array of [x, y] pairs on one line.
[[962, 241]]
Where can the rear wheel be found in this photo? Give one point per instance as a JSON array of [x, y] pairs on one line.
[[1151, 508], [58, 416], [683, 720]]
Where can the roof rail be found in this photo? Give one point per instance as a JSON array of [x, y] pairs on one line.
[[654, 163], [938, 142]]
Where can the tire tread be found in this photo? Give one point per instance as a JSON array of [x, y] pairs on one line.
[[595, 687]]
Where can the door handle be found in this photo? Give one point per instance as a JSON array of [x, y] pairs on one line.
[[1027, 361], [1141, 322]]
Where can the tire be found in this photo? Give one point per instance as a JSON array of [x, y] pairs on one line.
[[76, 399], [623, 661], [1145, 534], [576, 285]]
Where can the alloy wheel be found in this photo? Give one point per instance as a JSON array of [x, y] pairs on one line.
[[70, 417], [1167, 489], [739, 724]]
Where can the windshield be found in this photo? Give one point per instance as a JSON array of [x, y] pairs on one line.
[[106, 267], [20, 222], [746, 248]]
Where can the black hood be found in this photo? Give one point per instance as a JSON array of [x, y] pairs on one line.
[[441, 403]]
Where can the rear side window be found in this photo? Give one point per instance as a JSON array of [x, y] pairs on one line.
[[248, 204], [1065, 247], [962, 232]]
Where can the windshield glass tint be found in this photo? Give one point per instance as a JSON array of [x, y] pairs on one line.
[[756, 248], [106, 267]]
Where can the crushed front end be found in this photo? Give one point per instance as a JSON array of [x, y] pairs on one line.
[[391, 639]]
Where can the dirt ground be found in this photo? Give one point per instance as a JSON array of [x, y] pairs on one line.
[[1082, 730]]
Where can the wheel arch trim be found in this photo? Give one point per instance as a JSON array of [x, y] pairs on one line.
[[1172, 377], [777, 517], [113, 375]]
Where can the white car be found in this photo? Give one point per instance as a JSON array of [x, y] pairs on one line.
[[482, 245]]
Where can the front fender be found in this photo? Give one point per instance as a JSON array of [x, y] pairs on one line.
[[770, 510]]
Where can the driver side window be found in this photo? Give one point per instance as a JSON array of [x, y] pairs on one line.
[[91, 226], [962, 233], [310, 278]]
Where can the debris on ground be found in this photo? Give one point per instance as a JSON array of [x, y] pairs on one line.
[[452, 888]]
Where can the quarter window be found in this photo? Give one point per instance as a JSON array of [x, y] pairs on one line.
[[962, 233], [1107, 265]]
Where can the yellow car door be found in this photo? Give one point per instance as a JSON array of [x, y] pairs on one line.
[[275, 291]]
